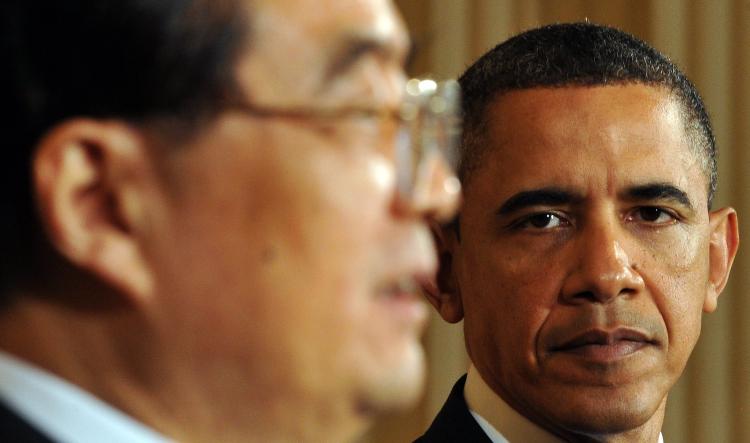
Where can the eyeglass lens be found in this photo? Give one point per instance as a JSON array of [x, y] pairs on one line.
[[431, 131]]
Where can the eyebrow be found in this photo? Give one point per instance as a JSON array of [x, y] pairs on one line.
[[355, 48], [659, 191], [536, 197]]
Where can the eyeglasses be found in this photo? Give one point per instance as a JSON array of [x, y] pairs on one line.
[[425, 128]]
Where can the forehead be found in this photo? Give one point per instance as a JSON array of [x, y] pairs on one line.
[[582, 137], [322, 16], [304, 45]]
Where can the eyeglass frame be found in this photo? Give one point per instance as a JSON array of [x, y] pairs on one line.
[[428, 118]]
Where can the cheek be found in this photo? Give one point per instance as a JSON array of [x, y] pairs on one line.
[[349, 223], [677, 265], [681, 308], [334, 197], [676, 274], [300, 217], [507, 299], [360, 191]]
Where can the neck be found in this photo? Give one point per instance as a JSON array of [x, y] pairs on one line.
[[147, 375], [515, 427]]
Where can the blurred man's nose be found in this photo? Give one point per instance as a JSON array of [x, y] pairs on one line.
[[436, 190], [602, 266]]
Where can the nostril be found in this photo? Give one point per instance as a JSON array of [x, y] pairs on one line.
[[586, 296], [603, 296]]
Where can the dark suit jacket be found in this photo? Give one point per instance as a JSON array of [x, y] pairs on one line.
[[13, 429], [454, 422]]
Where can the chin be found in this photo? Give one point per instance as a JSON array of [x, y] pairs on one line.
[[616, 415], [396, 388]]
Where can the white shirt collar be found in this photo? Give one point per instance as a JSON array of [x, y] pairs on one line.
[[491, 413], [63, 411]]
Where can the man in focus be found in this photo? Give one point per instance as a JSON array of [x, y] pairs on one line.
[[587, 249], [204, 237]]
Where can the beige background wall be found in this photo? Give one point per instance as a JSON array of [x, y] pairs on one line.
[[710, 40]]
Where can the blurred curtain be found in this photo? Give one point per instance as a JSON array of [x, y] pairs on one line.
[[710, 40]]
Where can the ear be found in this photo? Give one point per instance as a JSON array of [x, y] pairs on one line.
[[86, 182], [444, 293], [723, 245]]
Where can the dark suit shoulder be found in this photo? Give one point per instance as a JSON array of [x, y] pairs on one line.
[[16, 430], [454, 422]]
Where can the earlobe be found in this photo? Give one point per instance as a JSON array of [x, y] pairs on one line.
[[723, 244], [87, 201], [444, 293]]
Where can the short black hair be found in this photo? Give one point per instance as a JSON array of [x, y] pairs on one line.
[[135, 60], [577, 54]]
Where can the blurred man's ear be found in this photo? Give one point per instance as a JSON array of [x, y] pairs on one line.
[[723, 245], [87, 181], [445, 294]]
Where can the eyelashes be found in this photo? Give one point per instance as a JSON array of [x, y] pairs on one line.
[[542, 221], [654, 215]]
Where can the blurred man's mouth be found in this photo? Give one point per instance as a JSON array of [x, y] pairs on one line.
[[403, 300]]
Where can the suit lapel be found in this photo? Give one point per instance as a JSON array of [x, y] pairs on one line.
[[454, 422], [15, 429]]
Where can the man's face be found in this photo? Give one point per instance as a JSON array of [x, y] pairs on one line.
[[284, 264], [584, 261]]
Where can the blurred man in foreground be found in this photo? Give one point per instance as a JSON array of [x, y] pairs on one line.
[[586, 251], [204, 237]]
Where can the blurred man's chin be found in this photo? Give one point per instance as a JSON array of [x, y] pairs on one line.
[[398, 388]]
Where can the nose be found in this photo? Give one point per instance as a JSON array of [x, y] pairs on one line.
[[435, 191], [603, 269]]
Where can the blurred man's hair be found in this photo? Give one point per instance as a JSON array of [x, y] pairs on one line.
[[577, 54], [135, 60]]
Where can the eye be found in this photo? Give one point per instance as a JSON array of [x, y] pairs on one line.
[[654, 215], [541, 221], [372, 126]]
